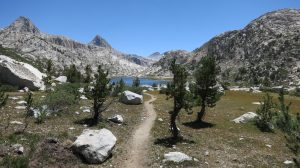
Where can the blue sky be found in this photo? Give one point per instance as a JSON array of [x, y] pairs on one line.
[[141, 26]]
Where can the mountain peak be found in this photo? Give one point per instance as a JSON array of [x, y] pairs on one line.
[[99, 41], [23, 24], [155, 56]]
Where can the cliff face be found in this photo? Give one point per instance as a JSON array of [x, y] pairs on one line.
[[23, 36]]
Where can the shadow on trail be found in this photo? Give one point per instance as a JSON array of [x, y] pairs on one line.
[[198, 125], [170, 141]]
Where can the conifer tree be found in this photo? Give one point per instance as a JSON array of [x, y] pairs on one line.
[[177, 90], [206, 80], [100, 92], [88, 73], [136, 82]]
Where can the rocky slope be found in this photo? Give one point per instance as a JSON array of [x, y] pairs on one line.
[[266, 51], [34, 45]]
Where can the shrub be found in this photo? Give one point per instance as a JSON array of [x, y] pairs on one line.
[[71, 88], [3, 99], [8, 88], [266, 112], [15, 162], [58, 100]]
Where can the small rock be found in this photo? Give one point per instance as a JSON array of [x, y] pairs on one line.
[[16, 122], [18, 148], [287, 162], [160, 119], [268, 145], [20, 107], [71, 128], [22, 103], [53, 84], [206, 153], [86, 110], [77, 113], [176, 157], [116, 119], [14, 98], [81, 90], [83, 97]]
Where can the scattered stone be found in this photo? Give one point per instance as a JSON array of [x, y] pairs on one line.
[[268, 145], [16, 122], [61, 79], [95, 146], [53, 84], [206, 153], [26, 89], [116, 119], [81, 90], [71, 128], [83, 97], [77, 113], [128, 97], [176, 157], [14, 98], [287, 162], [160, 119], [20, 107], [22, 103], [18, 148], [245, 117], [85, 109], [256, 103]]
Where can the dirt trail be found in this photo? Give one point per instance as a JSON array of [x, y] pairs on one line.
[[141, 137]]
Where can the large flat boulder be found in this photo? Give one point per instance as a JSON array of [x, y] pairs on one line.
[[20, 74], [128, 97], [95, 146], [245, 118]]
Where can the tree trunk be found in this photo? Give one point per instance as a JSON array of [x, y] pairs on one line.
[[96, 113], [174, 129], [201, 114]]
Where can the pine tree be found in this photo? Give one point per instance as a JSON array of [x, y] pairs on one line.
[[177, 90], [206, 80], [73, 74], [100, 92], [88, 73], [136, 82], [49, 73]]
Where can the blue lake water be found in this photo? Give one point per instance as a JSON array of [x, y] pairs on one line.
[[143, 81]]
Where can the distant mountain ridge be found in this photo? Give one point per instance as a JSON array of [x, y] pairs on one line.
[[23, 36]]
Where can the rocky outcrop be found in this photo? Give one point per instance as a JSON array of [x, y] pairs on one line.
[[36, 46], [155, 56], [128, 97], [265, 52], [95, 146], [20, 74]]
